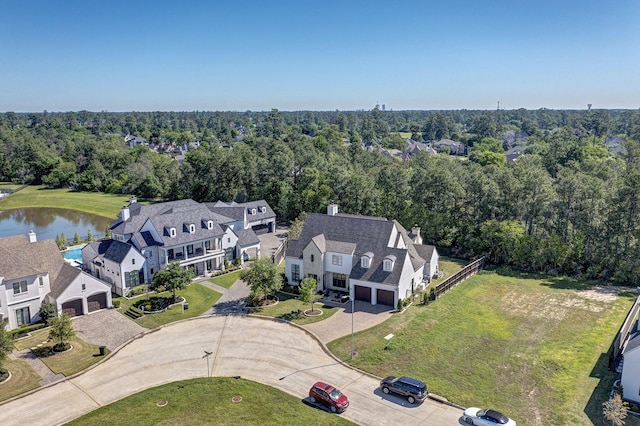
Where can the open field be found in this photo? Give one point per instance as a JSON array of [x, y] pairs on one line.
[[208, 402], [534, 347], [198, 297], [106, 205]]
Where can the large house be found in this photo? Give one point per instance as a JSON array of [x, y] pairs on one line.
[[146, 238], [374, 259], [631, 369], [32, 272]]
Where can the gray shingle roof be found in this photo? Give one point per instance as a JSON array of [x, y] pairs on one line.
[[246, 237], [112, 250], [66, 276], [358, 235], [236, 211], [20, 258]]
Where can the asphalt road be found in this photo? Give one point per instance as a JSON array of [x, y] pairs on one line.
[[256, 349]]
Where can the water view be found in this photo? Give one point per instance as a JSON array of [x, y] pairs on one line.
[[49, 222]]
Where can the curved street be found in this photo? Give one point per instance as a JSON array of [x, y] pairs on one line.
[[253, 348]]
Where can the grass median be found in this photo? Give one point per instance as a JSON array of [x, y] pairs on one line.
[[226, 280], [209, 402], [23, 379], [534, 347]]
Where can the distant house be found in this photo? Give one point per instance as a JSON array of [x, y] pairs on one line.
[[414, 148], [514, 153], [615, 145], [455, 148], [631, 369], [133, 141], [373, 259], [32, 272], [146, 238]]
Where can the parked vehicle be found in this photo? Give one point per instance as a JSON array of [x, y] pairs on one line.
[[328, 396], [413, 389], [479, 417]]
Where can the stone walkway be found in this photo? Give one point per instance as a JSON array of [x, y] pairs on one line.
[[40, 367]]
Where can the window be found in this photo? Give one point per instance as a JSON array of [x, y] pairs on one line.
[[172, 232], [19, 287], [207, 245], [295, 272], [336, 260], [262, 209], [192, 228], [365, 262], [340, 280], [314, 276], [387, 265], [190, 249], [84, 287], [228, 240], [23, 316], [312, 258], [41, 281], [133, 261], [210, 224], [151, 271]]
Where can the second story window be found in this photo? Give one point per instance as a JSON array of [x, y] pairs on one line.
[[336, 260], [41, 281], [19, 287]]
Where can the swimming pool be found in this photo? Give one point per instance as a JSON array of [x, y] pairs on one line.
[[74, 253]]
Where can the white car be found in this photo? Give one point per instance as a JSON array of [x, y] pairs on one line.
[[479, 417]]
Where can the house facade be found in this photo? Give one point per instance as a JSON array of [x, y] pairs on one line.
[[631, 369], [373, 259], [146, 238], [32, 272]]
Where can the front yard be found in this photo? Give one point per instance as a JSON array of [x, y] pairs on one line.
[[81, 356], [534, 347], [23, 379], [198, 297], [291, 309]]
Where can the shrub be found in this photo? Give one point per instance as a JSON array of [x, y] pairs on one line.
[[47, 311], [26, 329], [116, 303], [635, 408], [400, 304]]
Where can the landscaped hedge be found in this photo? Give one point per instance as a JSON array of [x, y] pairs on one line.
[[27, 329], [226, 271]]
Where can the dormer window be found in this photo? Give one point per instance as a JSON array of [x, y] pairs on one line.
[[387, 263], [253, 211], [263, 209], [192, 228], [210, 224], [365, 260], [172, 232]]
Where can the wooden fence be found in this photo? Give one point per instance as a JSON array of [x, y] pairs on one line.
[[455, 279], [621, 337]]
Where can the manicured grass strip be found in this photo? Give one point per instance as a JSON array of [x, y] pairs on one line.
[[8, 185], [198, 297], [208, 402], [289, 305], [107, 205], [226, 280], [23, 379], [534, 347]]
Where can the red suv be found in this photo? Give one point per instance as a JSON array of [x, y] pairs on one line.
[[328, 396]]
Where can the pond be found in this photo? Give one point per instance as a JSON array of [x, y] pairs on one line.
[[47, 223]]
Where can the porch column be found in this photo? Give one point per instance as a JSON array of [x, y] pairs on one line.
[[85, 306]]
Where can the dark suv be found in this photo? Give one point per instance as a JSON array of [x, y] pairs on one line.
[[413, 389]]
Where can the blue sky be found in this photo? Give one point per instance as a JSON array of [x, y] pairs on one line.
[[295, 55]]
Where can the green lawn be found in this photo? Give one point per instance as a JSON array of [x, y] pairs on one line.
[[9, 185], [82, 356], [288, 305], [208, 402], [226, 280], [23, 379], [198, 297], [106, 205], [533, 347]]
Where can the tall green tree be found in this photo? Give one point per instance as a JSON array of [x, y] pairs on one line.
[[307, 289], [263, 277], [6, 343], [61, 328], [173, 278]]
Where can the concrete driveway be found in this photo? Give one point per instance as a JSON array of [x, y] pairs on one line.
[[107, 327], [253, 348]]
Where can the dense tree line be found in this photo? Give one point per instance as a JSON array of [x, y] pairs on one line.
[[568, 206]]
